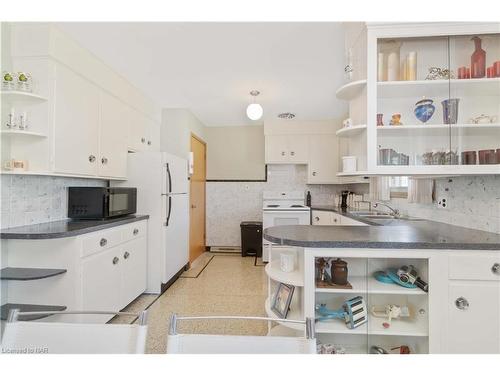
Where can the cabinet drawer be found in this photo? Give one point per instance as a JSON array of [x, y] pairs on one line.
[[134, 230], [99, 241], [479, 267]]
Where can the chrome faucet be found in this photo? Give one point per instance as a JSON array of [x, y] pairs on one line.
[[395, 211]]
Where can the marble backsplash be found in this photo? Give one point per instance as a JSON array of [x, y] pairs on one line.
[[472, 202], [230, 203], [36, 199]]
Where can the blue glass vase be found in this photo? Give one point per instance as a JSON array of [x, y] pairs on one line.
[[424, 109]]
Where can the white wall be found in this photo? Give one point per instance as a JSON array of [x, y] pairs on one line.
[[235, 153], [177, 124]]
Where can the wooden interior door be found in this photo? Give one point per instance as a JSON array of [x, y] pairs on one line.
[[197, 199]]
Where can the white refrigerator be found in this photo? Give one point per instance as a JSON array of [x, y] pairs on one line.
[[162, 186]]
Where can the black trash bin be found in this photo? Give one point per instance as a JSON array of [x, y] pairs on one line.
[[251, 238]]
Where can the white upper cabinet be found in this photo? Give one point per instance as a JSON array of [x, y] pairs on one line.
[[76, 123], [113, 128], [323, 159], [286, 149], [144, 133]]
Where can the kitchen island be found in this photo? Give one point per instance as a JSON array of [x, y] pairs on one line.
[[460, 313]]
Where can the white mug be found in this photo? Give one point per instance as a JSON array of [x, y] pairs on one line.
[[347, 123], [287, 261], [16, 165]]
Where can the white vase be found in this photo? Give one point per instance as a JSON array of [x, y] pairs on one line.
[[393, 66]]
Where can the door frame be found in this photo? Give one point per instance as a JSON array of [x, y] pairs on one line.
[[193, 135]]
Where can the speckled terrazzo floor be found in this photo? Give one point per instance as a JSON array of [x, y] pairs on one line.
[[229, 285]]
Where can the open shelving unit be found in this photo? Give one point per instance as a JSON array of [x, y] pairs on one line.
[[412, 331], [22, 97], [24, 307], [22, 133], [350, 90], [351, 131], [26, 274]]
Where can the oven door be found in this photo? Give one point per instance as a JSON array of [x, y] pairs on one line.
[[121, 201], [275, 218]]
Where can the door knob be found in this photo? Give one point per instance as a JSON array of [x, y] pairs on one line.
[[126, 255], [193, 206], [143, 140], [282, 153], [316, 218], [104, 160], [116, 260], [136, 232], [103, 242], [496, 269], [314, 173], [292, 153], [149, 143], [461, 303], [91, 158]]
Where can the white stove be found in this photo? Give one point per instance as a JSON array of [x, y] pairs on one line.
[[283, 208]]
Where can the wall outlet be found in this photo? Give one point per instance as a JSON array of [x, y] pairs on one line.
[[443, 203]]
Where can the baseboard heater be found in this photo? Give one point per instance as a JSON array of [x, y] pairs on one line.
[[225, 249]]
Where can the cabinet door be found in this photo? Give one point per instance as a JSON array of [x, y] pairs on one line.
[[113, 126], [321, 217], [276, 149], [76, 119], [153, 136], [101, 280], [138, 129], [298, 148], [323, 159], [133, 270], [473, 326]]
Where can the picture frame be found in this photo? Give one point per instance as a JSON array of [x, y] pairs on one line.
[[282, 299]]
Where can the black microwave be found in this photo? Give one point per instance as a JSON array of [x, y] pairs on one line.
[[101, 202]]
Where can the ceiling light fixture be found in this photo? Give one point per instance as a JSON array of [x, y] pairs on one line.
[[254, 110], [286, 115]]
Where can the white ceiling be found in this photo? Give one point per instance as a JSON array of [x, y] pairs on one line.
[[211, 67]]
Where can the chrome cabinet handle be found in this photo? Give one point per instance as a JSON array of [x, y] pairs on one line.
[[143, 140], [314, 173], [103, 242], [126, 255], [116, 260], [316, 218], [335, 220], [292, 153], [104, 160], [91, 158], [282, 153], [461, 303], [149, 143], [136, 232], [496, 269]]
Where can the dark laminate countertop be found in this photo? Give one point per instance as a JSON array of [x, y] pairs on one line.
[[65, 228], [419, 234]]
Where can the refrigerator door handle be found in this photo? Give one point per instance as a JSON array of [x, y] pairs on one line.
[[169, 211], [169, 177]]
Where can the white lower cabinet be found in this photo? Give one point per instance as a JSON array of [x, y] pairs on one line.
[[473, 317], [101, 281], [114, 277], [133, 268], [332, 218]]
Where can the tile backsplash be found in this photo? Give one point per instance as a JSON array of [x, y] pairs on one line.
[[36, 199], [472, 202]]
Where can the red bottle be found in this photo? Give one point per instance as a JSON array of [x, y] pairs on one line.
[[478, 60]]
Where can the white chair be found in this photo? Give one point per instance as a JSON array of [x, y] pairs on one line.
[[74, 338], [229, 344]]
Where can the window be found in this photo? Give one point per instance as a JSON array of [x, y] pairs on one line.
[[399, 186]]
